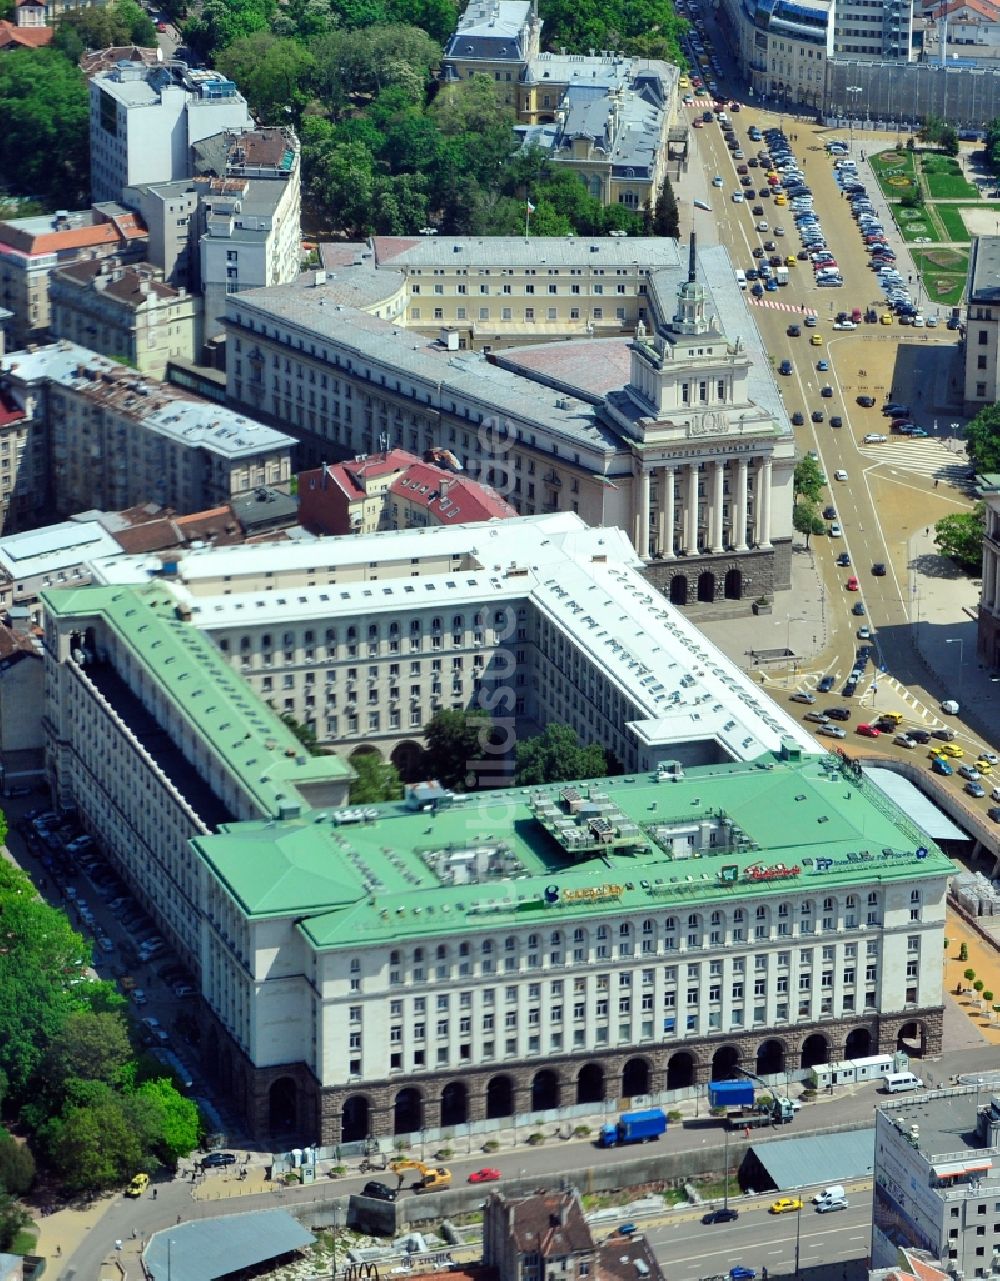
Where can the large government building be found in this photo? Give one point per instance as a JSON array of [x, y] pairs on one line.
[[678, 436], [737, 898]]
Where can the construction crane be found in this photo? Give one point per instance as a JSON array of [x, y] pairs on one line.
[[432, 1177]]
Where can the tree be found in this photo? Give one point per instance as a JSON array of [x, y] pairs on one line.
[[304, 733], [557, 755], [978, 988], [45, 140], [272, 73], [808, 479], [988, 996], [168, 1120], [17, 1166], [455, 742], [666, 220], [120, 22], [13, 1217], [807, 520], [377, 780], [932, 130], [983, 439], [969, 975], [961, 537], [90, 1047], [963, 952], [353, 63], [948, 141], [95, 1146]]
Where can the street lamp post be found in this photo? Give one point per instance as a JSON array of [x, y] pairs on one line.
[[798, 1232], [957, 640], [852, 91]]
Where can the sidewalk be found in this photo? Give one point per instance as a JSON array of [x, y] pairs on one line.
[[985, 960]]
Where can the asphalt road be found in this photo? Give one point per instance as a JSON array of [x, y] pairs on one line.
[[688, 1250]]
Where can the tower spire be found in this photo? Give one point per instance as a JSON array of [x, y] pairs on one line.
[[691, 257]]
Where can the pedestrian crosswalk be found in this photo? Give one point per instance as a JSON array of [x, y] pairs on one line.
[[925, 457], [782, 306]]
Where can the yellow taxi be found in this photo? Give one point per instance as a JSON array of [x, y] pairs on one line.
[[786, 1205], [685, 82], [815, 340], [138, 1185], [780, 199], [951, 749], [791, 261], [984, 766], [885, 318]]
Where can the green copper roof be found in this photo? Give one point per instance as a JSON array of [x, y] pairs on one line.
[[516, 857], [253, 742]]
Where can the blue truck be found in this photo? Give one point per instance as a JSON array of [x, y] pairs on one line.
[[739, 1094], [633, 1127]]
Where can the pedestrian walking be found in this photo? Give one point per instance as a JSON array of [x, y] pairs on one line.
[[58, 1249], [118, 1243], [134, 1234]]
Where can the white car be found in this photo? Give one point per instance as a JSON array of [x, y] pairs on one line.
[[836, 531], [717, 181], [737, 197], [950, 707], [845, 324], [874, 438]]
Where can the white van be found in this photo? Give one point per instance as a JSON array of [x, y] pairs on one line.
[[834, 1193], [898, 1082], [741, 277]]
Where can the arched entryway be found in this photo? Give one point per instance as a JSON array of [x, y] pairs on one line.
[[354, 1119], [858, 1044], [679, 589], [407, 758], [733, 586], [680, 1070], [408, 1112], [366, 749], [544, 1091], [815, 1049], [636, 1078], [499, 1097], [912, 1039], [590, 1084], [282, 1111], [454, 1104], [770, 1058], [725, 1061], [706, 586]]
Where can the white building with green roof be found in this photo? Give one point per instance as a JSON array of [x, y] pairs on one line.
[[739, 897]]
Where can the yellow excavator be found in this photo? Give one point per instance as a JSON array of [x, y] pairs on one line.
[[432, 1177]]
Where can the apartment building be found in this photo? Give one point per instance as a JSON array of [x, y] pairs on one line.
[[607, 116], [547, 1234], [109, 438], [988, 632], [55, 556], [982, 318], [32, 248], [394, 490], [126, 312], [145, 119], [693, 456], [380, 970], [937, 1154]]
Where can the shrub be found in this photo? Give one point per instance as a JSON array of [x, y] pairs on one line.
[[963, 952], [491, 1145], [537, 1139], [582, 1132]]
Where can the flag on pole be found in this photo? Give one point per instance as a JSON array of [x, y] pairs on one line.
[[530, 206]]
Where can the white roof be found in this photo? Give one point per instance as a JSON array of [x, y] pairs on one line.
[[55, 547], [586, 582]]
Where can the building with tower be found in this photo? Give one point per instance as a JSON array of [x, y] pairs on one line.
[[677, 435]]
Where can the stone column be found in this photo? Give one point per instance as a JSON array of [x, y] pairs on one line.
[[691, 537], [642, 534], [667, 513], [740, 507], [717, 506], [764, 503]]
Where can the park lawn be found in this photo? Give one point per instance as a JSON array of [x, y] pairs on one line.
[[26, 1240], [951, 216], [895, 171], [943, 272], [915, 224], [945, 180]]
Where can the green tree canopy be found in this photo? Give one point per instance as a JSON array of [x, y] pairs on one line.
[[13, 1217], [169, 1121], [89, 1046], [808, 479], [120, 22], [377, 780], [806, 519], [961, 537], [272, 72], [983, 438], [455, 742], [17, 1165], [557, 755], [666, 220], [45, 139]]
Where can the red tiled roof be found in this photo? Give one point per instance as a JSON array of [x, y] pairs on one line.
[[983, 7], [389, 247], [127, 226], [10, 410], [461, 500], [28, 37]]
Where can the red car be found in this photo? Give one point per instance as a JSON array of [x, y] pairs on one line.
[[869, 731], [488, 1175], [161, 26]]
